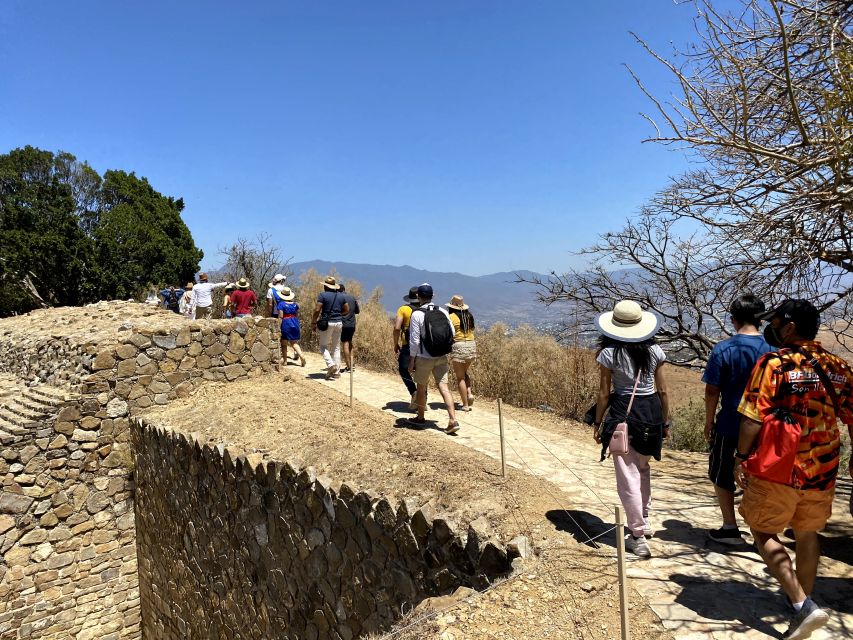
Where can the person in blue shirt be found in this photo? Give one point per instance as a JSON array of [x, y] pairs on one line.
[[172, 298], [726, 375]]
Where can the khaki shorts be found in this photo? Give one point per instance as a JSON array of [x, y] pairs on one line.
[[769, 507], [438, 367], [464, 351]]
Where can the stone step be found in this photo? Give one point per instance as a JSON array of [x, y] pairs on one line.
[[7, 438], [30, 415], [12, 418], [12, 427], [36, 404], [47, 395]]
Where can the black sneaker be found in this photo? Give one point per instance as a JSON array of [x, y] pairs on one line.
[[810, 618], [726, 536]]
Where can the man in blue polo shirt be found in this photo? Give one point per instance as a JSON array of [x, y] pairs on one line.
[[726, 376]]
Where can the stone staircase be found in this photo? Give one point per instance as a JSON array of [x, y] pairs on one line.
[[24, 408]]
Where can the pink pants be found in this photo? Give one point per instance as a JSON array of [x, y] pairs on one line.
[[633, 483]]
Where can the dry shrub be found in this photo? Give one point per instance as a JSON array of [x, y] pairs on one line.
[[528, 369], [688, 428]]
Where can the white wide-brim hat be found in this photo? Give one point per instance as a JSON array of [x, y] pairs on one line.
[[628, 322]]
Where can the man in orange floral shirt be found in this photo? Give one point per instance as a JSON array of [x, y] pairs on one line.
[[789, 382]]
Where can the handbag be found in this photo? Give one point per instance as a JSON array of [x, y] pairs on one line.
[[618, 445], [323, 320]]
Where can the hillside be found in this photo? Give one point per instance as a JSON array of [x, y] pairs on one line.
[[493, 298]]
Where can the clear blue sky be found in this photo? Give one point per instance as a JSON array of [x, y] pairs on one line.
[[471, 136]]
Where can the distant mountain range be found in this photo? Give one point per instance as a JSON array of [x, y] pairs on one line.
[[493, 298]]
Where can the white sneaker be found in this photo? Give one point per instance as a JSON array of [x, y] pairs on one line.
[[638, 546], [648, 529]]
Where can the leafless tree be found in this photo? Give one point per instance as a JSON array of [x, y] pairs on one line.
[[765, 108], [257, 260], [765, 104]]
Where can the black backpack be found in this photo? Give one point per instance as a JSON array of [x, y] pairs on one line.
[[437, 336], [172, 300]]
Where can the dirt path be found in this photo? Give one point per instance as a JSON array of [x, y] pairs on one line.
[[699, 589]]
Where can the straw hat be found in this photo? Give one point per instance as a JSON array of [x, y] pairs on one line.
[[287, 294], [190, 285], [230, 286], [330, 283], [628, 322], [242, 283], [458, 303]]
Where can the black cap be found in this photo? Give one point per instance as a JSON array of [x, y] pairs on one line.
[[425, 291], [801, 312]]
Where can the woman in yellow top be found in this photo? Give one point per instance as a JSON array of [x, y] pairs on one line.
[[464, 348]]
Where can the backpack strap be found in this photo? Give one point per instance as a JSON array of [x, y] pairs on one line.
[[824, 378]]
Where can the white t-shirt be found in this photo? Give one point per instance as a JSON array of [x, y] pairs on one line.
[[278, 287], [624, 373], [202, 293]]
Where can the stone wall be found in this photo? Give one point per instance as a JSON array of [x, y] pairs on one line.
[[67, 543], [233, 546], [67, 535], [155, 365]]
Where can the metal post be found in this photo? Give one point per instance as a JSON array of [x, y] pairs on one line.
[[501, 423], [623, 578], [352, 365]]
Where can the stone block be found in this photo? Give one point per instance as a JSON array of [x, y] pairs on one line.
[[165, 341]]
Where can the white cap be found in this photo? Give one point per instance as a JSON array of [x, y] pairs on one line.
[[279, 278]]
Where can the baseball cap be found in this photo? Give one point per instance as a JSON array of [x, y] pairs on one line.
[[425, 290], [801, 312]]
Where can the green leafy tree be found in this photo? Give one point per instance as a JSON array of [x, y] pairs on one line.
[[140, 237], [68, 236]]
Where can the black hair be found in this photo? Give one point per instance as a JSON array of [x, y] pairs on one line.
[[466, 319], [639, 352], [341, 287], [746, 308]]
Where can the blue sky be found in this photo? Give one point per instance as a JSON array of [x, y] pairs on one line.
[[470, 136]]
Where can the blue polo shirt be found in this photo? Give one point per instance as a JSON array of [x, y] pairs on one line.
[[729, 367]]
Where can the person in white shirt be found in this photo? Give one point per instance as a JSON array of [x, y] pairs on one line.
[[274, 294], [203, 298], [422, 364], [185, 304]]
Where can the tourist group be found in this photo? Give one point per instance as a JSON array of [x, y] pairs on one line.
[[773, 399]]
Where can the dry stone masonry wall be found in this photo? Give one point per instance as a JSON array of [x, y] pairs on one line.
[[232, 546], [67, 545]]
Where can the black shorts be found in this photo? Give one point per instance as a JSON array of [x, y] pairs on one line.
[[721, 462], [347, 333]]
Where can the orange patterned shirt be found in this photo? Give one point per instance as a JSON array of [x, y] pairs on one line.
[[785, 380]]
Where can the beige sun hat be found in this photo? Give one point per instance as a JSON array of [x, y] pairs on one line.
[[458, 303], [242, 283], [287, 294], [331, 283], [628, 322], [279, 277]]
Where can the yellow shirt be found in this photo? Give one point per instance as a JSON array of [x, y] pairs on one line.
[[459, 335], [406, 313]]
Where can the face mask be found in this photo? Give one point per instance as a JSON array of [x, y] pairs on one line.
[[772, 336]]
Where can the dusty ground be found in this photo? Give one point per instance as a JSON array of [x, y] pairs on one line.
[[568, 591]]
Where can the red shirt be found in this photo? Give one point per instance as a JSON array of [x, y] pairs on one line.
[[244, 300]]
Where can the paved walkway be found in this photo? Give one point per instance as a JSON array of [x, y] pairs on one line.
[[698, 588]]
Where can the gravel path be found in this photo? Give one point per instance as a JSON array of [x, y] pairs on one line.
[[699, 589]]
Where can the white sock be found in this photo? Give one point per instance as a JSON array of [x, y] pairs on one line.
[[798, 605]]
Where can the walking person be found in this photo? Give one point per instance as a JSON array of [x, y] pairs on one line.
[[430, 340], [243, 299], [288, 311], [464, 348], [631, 361], [348, 327], [274, 294], [186, 305], [401, 343], [729, 367], [328, 316], [203, 296], [793, 401]]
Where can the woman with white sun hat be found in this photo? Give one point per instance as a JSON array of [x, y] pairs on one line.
[[631, 364]]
